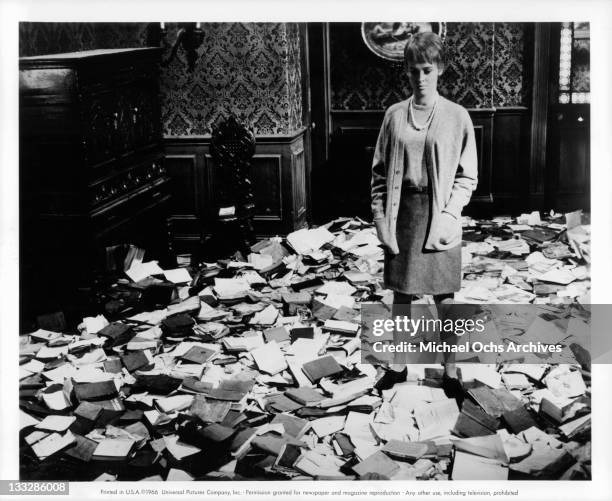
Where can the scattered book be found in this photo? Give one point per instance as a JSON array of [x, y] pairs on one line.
[[198, 355], [277, 334], [305, 395], [113, 365], [44, 335], [280, 403], [95, 391], [178, 449], [136, 360], [177, 276], [83, 449], [293, 301], [408, 451], [209, 411], [301, 333], [307, 284], [178, 325], [378, 463], [490, 446], [118, 333], [341, 326], [327, 425], [52, 444], [56, 423], [321, 367], [515, 381], [494, 401], [269, 358], [113, 449], [174, 403], [474, 422], [518, 419], [471, 467], [342, 444], [294, 426]]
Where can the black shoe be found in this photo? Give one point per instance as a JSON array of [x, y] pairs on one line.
[[453, 388], [389, 378]]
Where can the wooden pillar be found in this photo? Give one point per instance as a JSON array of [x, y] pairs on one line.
[[539, 113]]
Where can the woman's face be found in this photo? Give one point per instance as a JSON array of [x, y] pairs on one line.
[[423, 80]]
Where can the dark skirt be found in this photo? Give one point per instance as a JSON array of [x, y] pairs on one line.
[[416, 270]]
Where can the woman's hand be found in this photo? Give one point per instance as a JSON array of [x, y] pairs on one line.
[[383, 235], [381, 232], [449, 228]]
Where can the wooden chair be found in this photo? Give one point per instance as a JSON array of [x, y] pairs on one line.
[[232, 148]]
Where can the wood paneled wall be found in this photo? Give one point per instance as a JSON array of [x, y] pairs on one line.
[[279, 177], [343, 183]]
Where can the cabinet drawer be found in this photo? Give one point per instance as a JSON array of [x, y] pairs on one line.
[[126, 207], [125, 181]]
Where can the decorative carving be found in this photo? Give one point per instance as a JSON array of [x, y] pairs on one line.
[[232, 146], [128, 181], [297, 146], [99, 128]]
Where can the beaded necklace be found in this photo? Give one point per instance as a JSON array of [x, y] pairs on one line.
[[413, 122]]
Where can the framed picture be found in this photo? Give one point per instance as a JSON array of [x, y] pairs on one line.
[[387, 40]]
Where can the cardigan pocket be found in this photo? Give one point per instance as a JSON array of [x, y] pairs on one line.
[[433, 239]]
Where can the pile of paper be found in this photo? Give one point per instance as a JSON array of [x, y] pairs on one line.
[[258, 358]]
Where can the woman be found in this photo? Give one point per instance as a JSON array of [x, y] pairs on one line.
[[423, 173]]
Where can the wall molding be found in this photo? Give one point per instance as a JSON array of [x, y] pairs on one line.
[[259, 138]]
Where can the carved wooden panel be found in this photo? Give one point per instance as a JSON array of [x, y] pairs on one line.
[[144, 109], [99, 127], [266, 176], [123, 125]]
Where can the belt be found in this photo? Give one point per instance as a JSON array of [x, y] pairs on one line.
[[416, 189]]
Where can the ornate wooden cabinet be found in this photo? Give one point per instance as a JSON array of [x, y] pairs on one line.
[[92, 169]]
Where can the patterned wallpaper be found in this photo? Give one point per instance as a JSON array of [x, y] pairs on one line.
[[581, 68], [254, 69], [485, 68], [251, 68]]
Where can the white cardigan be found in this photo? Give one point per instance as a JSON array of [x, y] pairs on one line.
[[452, 167]]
